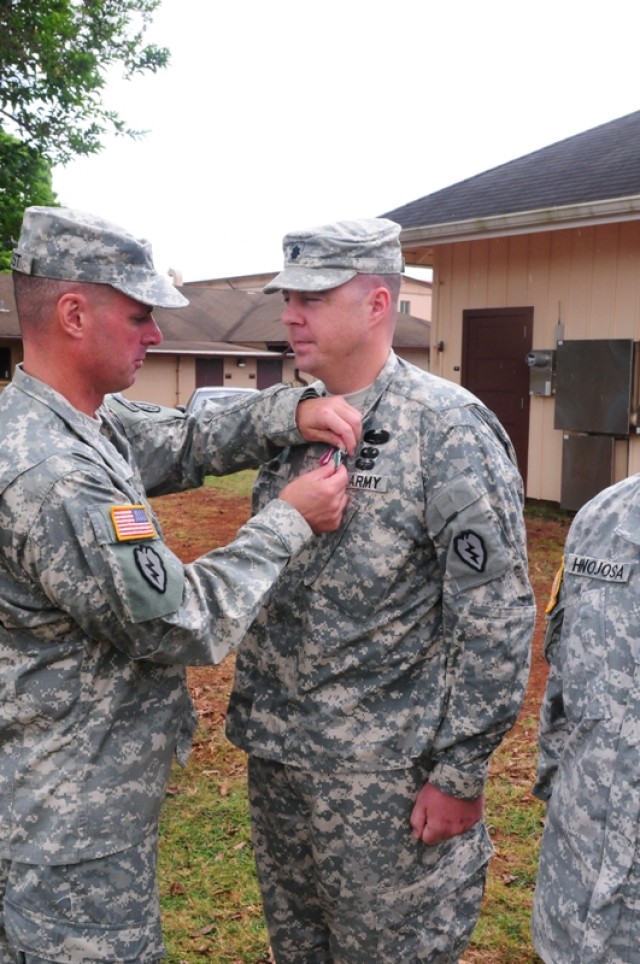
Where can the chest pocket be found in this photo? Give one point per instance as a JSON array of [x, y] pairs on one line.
[[361, 564]]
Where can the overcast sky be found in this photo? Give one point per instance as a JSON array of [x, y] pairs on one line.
[[282, 114]]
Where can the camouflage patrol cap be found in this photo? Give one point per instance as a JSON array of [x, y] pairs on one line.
[[331, 255], [70, 245]]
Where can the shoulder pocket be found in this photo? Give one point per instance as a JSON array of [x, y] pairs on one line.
[[147, 577], [469, 535]]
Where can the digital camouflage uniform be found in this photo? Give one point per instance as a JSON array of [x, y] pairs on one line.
[[587, 901], [393, 651], [97, 618]]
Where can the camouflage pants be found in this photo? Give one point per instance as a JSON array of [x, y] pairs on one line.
[[100, 910], [343, 880]]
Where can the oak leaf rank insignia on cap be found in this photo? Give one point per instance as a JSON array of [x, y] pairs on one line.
[[132, 522]]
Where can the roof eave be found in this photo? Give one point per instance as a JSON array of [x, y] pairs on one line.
[[182, 348], [525, 222]]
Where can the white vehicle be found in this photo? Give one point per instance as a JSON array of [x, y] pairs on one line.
[[214, 393]]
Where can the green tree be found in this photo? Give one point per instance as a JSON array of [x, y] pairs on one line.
[[25, 178], [54, 58], [54, 55]]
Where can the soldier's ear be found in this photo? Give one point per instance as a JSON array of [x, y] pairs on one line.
[[379, 302], [72, 311]]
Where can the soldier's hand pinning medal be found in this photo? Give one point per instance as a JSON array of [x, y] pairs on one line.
[[334, 455]]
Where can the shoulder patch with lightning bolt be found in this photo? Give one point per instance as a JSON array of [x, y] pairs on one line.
[[471, 549], [151, 567]]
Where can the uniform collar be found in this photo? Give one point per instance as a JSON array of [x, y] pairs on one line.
[[385, 376]]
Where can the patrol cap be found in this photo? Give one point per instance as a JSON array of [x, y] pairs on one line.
[[331, 255], [70, 245]]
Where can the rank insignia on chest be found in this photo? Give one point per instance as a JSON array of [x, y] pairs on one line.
[[132, 522]]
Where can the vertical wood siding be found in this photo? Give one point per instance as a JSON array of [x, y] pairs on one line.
[[588, 279]]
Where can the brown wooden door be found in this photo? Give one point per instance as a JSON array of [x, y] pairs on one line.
[[209, 371], [269, 371], [495, 343]]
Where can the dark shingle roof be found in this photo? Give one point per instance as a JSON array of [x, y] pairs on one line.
[[600, 164], [222, 315]]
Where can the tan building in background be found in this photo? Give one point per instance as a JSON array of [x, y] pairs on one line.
[[541, 257]]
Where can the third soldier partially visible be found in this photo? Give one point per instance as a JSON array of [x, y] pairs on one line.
[[588, 889]]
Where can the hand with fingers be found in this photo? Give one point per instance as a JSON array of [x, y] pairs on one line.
[[320, 496], [331, 420]]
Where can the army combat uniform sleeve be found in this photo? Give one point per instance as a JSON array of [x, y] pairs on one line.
[[101, 561], [97, 622], [175, 451], [585, 906], [473, 497]]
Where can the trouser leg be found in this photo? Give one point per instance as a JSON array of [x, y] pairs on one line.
[[105, 910], [286, 867], [344, 881]]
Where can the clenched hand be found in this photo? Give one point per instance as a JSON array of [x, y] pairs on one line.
[[320, 496], [330, 420], [437, 816]]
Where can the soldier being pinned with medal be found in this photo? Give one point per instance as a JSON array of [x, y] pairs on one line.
[[393, 654]]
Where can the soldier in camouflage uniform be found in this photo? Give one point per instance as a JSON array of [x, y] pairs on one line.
[[587, 900], [393, 655], [97, 616]]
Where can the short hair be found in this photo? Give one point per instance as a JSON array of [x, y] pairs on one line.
[[37, 297], [392, 282]]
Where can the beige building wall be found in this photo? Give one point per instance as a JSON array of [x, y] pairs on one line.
[[416, 356], [164, 380], [169, 379], [586, 279], [418, 296]]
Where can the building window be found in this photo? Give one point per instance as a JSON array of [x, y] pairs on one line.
[[405, 307]]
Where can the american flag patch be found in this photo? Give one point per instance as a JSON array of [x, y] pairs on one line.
[[131, 522]]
